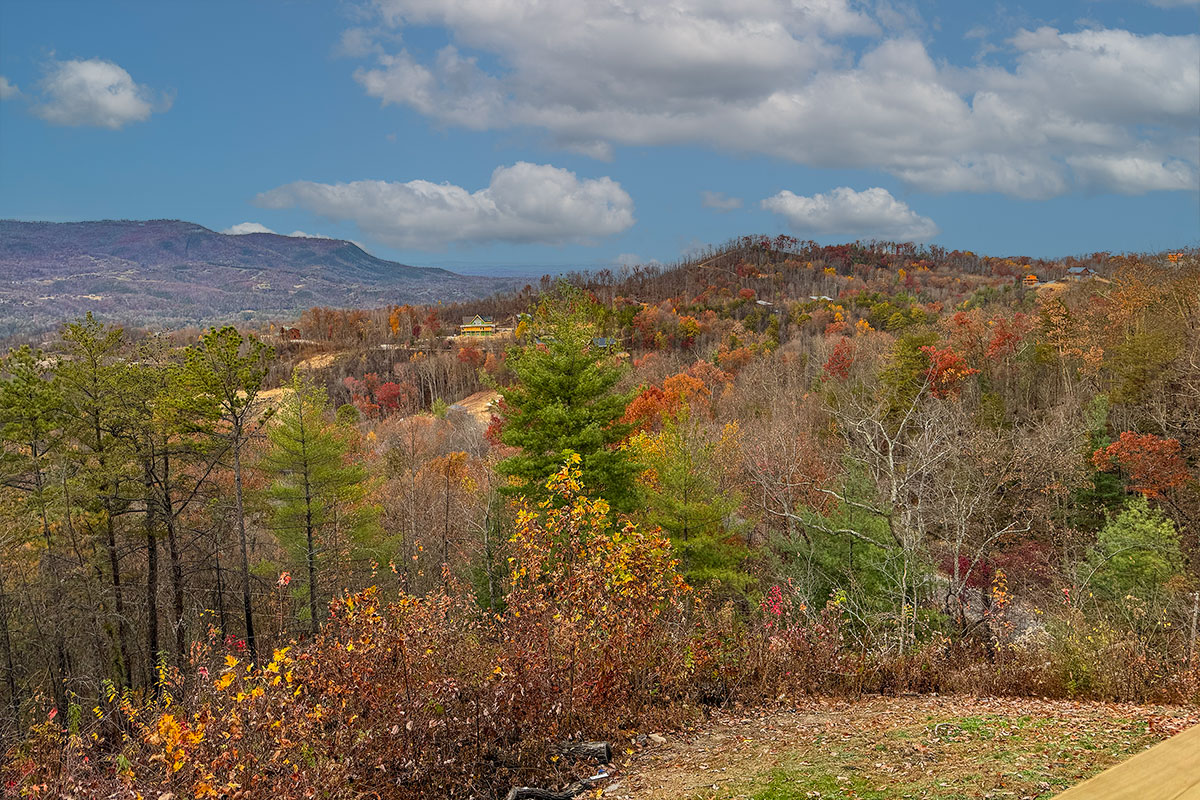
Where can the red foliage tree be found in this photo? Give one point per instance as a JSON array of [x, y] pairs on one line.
[[655, 404], [947, 371], [396, 397], [470, 354], [1008, 334], [841, 359], [1153, 464]]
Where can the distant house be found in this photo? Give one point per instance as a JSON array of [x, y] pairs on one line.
[[289, 334], [477, 326], [1030, 280], [604, 342], [1080, 273]]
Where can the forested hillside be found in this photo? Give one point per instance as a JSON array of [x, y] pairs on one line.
[[292, 563]]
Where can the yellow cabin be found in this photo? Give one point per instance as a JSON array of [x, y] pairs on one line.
[[477, 326]]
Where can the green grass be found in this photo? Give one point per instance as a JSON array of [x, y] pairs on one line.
[[946, 759]]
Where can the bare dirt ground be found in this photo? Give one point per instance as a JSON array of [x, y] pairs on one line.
[[479, 405], [884, 747]]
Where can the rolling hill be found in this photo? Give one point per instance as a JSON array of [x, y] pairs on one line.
[[172, 273]]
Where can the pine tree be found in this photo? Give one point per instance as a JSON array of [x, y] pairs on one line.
[[683, 497], [317, 497], [31, 441], [92, 377], [563, 400], [227, 371], [1136, 553]]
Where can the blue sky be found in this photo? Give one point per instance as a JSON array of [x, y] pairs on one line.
[[473, 133]]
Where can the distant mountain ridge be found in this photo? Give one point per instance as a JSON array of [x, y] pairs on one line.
[[173, 273]]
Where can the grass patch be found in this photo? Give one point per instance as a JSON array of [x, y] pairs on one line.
[[989, 756]]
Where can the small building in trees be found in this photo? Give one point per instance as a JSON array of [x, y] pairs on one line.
[[477, 326], [1030, 280], [1080, 273]]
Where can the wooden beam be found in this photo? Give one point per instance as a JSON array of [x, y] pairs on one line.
[[1168, 771]]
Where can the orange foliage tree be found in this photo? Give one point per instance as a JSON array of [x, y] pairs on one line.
[[1153, 464]]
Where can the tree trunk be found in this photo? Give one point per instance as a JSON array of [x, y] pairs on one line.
[[446, 535], [247, 608], [124, 666], [151, 588], [220, 588], [176, 566], [60, 650], [309, 532], [10, 670]]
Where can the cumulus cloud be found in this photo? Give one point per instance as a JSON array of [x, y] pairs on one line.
[[95, 92], [719, 201], [525, 203], [243, 228], [818, 82], [8, 91], [870, 214]]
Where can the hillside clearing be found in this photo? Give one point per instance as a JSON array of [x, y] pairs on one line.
[[884, 747]]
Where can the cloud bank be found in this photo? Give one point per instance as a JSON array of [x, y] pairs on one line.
[[818, 82], [522, 204]]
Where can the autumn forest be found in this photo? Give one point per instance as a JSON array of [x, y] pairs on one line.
[[361, 554]]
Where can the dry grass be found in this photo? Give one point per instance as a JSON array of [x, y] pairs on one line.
[[883, 748]]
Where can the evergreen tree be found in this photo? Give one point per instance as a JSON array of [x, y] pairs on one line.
[[31, 441], [317, 498], [93, 376], [1136, 553], [683, 497], [227, 372], [563, 400]]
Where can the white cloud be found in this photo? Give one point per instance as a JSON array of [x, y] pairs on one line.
[[243, 228], [95, 92], [719, 201], [869, 214], [8, 91], [1132, 174], [524, 203], [787, 79]]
